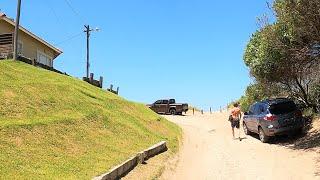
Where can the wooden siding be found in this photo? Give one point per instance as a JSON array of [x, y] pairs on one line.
[[6, 45]]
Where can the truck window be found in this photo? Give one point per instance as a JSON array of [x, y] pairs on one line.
[[158, 102], [172, 101], [165, 102]]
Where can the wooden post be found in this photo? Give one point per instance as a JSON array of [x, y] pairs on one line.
[[201, 111], [117, 90], [111, 87], [210, 111], [91, 77], [101, 81], [193, 111]]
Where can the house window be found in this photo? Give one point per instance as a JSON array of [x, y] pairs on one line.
[[44, 59], [20, 48]]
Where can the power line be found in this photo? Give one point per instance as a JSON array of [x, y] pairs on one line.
[[68, 39], [74, 11], [54, 13], [62, 29]]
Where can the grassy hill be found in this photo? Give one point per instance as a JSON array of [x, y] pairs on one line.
[[54, 126]]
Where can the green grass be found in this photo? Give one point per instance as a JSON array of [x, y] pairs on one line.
[[58, 127]]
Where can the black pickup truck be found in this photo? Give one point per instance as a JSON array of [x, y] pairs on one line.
[[169, 106]]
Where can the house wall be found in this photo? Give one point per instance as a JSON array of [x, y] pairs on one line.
[[31, 46]]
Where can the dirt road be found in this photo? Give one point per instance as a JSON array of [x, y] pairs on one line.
[[209, 152]]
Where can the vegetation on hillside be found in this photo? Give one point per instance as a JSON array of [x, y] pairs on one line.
[[284, 56], [53, 126]]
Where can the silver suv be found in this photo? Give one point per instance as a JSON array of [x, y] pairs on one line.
[[273, 117]]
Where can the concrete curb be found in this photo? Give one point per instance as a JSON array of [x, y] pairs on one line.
[[124, 168]]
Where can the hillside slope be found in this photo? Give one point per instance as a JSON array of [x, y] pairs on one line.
[[54, 126]]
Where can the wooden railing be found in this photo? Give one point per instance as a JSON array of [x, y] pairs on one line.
[[99, 83], [94, 82], [113, 91]]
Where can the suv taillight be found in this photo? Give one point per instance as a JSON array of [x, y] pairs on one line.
[[270, 117]]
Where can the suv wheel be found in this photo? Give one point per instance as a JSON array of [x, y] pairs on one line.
[[245, 129], [172, 111], [263, 137]]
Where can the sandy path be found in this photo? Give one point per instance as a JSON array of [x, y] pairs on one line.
[[209, 152]]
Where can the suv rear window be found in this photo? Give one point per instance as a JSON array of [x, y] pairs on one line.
[[282, 108]]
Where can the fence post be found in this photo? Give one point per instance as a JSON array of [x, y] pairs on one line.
[[210, 111], [117, 90], [201, 111], [193, 111], [91, 77], [101, 81], [111, 87]]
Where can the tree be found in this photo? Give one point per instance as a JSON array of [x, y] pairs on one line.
[[257, 92], [286, 53]]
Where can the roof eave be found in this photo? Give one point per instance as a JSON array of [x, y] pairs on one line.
[[58, 51]]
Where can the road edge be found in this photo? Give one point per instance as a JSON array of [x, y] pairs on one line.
[[123, 169]]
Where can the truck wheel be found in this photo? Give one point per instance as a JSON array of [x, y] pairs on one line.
[[173, 112]]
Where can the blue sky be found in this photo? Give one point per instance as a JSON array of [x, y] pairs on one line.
[[191, 50]]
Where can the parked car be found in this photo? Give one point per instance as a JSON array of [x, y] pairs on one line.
[[273, 117], [168, 106]]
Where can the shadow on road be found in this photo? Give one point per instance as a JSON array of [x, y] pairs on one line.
[[174, 115], [304, 141], [242, 138]]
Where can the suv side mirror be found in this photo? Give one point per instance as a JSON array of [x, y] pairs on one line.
[[246, 113]]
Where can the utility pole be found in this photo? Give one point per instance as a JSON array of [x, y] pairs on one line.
[[87, 31], [16, 32]]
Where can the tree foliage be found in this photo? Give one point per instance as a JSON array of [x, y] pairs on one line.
[[286, 53], [257, 92]]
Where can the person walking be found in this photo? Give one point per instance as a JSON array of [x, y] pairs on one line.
[[235, 118]]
